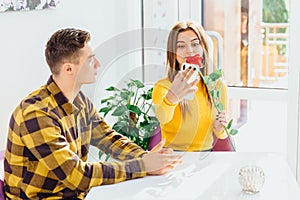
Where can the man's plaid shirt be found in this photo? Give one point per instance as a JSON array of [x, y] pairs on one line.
[[48, 144]]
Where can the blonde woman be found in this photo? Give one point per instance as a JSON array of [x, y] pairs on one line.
[[187, 125]]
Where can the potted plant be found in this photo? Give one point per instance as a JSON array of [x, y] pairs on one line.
[[131, 106]]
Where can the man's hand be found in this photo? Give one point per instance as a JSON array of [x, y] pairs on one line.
[[159, 160]]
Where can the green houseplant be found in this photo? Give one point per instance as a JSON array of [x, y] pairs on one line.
[[131, 106]]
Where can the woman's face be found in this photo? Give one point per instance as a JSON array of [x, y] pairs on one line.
[[187, 45]]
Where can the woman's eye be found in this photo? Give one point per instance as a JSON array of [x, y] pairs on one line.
[[195, 44], [180, 46]]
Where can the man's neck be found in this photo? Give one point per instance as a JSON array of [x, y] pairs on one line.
[[67, 86]]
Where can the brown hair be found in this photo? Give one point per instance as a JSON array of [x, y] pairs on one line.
[[64, 46], [172, 63]]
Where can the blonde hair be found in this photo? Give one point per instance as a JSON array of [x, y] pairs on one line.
[[172, 63]]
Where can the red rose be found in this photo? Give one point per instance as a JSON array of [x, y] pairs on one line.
[[196, 59]]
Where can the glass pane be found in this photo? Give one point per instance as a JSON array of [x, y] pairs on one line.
[[260, 129], [257, 31]]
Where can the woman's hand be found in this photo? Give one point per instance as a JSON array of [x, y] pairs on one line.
[[180, 86], [221, 121]]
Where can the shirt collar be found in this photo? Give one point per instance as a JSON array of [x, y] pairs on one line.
[[62, 100]]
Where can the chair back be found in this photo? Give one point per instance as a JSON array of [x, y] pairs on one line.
[[155, 139], [2, 175], [221, 144]]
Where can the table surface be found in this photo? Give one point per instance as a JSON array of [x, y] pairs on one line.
[[208, 176]]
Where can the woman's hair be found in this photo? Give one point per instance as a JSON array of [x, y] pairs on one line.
[[172, 63], [64, 46]]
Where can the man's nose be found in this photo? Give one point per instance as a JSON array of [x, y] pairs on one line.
[[97, 63]]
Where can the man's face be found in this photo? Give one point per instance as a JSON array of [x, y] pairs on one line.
[[87, 67]]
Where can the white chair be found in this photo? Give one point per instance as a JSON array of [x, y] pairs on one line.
[[218, 37]]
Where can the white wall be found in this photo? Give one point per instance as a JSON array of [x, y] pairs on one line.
[[293, 136], [159, 18], [115, 27], [23, 36]]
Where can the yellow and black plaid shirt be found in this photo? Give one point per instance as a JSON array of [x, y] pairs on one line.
[[48, 143]]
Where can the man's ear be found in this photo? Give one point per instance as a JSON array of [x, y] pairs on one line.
[[67, 68]]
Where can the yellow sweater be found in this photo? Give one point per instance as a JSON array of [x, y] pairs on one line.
[[194, 132]]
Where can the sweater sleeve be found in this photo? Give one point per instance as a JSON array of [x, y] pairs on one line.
[[164, 110], [224, 100]]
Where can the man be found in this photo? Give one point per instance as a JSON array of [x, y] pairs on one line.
[[51, 130]]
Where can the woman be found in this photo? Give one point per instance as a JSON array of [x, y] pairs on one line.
[[187, 125]]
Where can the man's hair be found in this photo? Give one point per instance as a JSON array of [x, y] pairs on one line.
[[64, 46]]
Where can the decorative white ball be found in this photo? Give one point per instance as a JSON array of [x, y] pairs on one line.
[[251, 179]]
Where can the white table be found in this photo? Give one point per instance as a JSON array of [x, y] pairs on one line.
[[208, 176]]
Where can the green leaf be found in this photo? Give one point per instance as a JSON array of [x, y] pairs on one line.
[[120, 126], [130, 84], [206, 80], [133, 132], [112, 88], [146, 118], [233, 132], [215, 94], [153, 118], [216, 75], [100, 154], [138, 83], [126, 95], [144, 123], [148, 94], [219, 107], [107, 99], [120, 111], [144, 96], [229, 124], [134, 109], [107, 157], [154, 124], [105, 109]]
